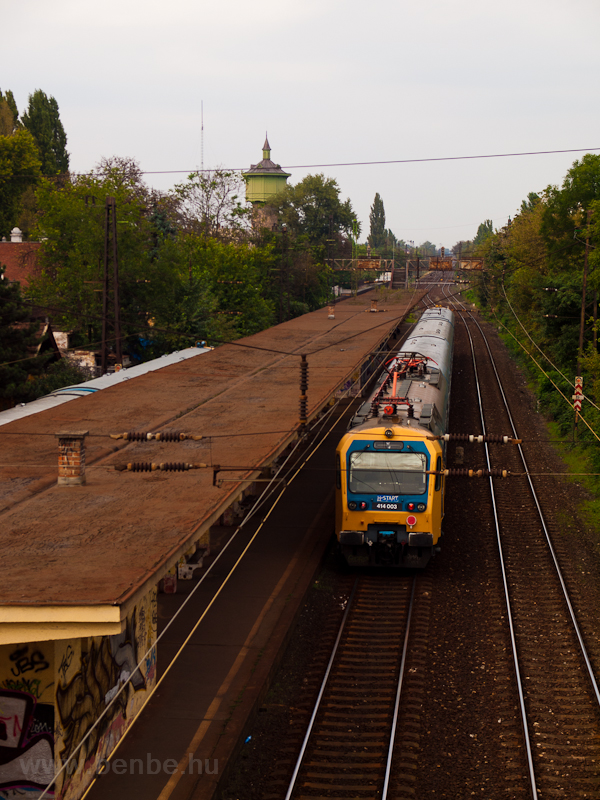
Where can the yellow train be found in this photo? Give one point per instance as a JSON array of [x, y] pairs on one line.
[[389, 490]]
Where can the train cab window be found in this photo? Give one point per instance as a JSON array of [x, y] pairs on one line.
[[387, 472], [338, 472]]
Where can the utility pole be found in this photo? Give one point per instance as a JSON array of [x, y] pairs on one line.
[[329, 242], [286, 266], [584, 290], [595, 320], [111, 254]]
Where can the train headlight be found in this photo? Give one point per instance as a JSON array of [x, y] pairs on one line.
[[352, 505], [421, 506], [388, 432]]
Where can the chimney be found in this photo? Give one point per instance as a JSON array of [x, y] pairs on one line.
[[71, 458], [16, 235]]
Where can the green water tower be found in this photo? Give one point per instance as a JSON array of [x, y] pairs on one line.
[[265, 179]]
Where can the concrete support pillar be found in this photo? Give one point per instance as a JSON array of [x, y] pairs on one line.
[[71, 458]]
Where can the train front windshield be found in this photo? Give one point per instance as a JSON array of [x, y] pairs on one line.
[[387, 473]]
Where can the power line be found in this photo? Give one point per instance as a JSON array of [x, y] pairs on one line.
[[395, 161], [364, 163]]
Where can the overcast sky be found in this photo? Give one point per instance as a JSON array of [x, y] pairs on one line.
[[331, 81]]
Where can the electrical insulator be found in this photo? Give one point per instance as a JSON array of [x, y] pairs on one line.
[[476, 473], [303, 375]]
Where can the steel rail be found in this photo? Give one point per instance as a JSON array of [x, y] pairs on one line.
[[575, 625], [398, 693], [388, 767], [555, 561], [513, 640], [321, 692]]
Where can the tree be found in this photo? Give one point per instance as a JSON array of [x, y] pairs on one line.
[[377, 236], [314, 225], [17, 339], [239, 277], [565, 212], [19, 169], [485, 230], [175, 287], [9, 114], [71, 229], [427, 248], [313, 211], [211, 203], [42, 120], [464, 247], [533, 198]]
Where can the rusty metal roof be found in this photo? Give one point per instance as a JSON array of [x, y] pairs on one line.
[[103, 542]]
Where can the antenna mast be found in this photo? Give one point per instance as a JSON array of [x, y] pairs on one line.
[[202, 137]]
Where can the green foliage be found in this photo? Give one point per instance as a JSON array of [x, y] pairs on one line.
[[238, 277], [71, 228], [533, 282], [213, 204], [377, 236], [42, 120], [9, 114], [313, 211], [175, 288], [314, 227], [484, 231], [19, 169], [463, 248], [56, 375], [426, 248], [17, 344], [533, 200]]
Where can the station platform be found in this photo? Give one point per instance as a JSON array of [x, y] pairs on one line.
[[77, 560]]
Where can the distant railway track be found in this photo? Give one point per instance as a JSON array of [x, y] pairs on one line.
[[554, 664]]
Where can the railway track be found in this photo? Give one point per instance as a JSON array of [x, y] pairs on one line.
[[362, 727], [466, 724], [552, 668]]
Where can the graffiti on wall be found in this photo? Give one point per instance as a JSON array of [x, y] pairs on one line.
[[53, 693], [26, 723], [107, 676]]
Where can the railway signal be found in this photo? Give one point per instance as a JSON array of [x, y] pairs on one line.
[[578, 397]]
